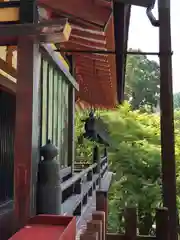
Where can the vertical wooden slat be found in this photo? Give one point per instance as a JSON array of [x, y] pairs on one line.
[[47, 104], [162, 224], [55, 108], [59, 117], [53, 132], [50, 107], [71, 113], [62, 123], [44, 103], [167, 117], [130, 223], [66, 122]]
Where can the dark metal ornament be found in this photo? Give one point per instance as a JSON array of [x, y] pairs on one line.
[[95, 130]]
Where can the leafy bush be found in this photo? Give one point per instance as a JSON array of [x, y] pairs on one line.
[[136, 162]]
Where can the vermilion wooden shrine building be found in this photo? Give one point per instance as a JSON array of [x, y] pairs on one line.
[[56, 55]]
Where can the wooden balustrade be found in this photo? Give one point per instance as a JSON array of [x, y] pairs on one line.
[[80, 187], [96, 227], [131, 226]]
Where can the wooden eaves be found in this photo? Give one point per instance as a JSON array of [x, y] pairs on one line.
[[95, 26]]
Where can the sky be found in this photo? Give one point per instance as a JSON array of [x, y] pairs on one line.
[[142, 35]]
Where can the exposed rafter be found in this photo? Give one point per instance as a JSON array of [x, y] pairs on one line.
[[74, 44], [88, 11], [4, 66], [93, 65], [98, 59], [87, 30], [88, 39]]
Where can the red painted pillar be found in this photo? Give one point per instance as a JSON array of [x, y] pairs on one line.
[[26, 145], [102, 204]]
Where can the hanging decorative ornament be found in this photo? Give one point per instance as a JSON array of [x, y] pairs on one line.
[[95, 130]]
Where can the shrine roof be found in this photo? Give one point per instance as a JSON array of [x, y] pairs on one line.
[[90, 41], [92, 34]]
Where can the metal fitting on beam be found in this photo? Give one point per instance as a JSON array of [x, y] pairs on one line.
[[150, 15]]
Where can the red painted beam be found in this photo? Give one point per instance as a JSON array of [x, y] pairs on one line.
[[87, 10], [92, 63], [104, 93], [84, 44], [94, 66], [98, 73], [85, 40], [72, 45], [95, 69], [111, 58], [103, 3], [88, 33], [100, 88], [94, 87], [97, 58], [89, 87]]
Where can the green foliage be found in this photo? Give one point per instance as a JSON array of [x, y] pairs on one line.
[[83, 150], [135, 162], [142, 82]]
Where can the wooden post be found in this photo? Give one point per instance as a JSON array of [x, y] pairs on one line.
[[102, 204], [96, 159], [162, 224], [89, 236], [167, 117], [95, 226], [26, 145], [121, 18], [96, 154], [99, 215], [130, 223]]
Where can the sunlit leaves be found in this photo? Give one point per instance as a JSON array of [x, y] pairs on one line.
[[136, 162], [142, 81]]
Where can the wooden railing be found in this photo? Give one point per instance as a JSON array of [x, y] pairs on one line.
[[78, 190], [131, 226], [67, 192], [96, 231]]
